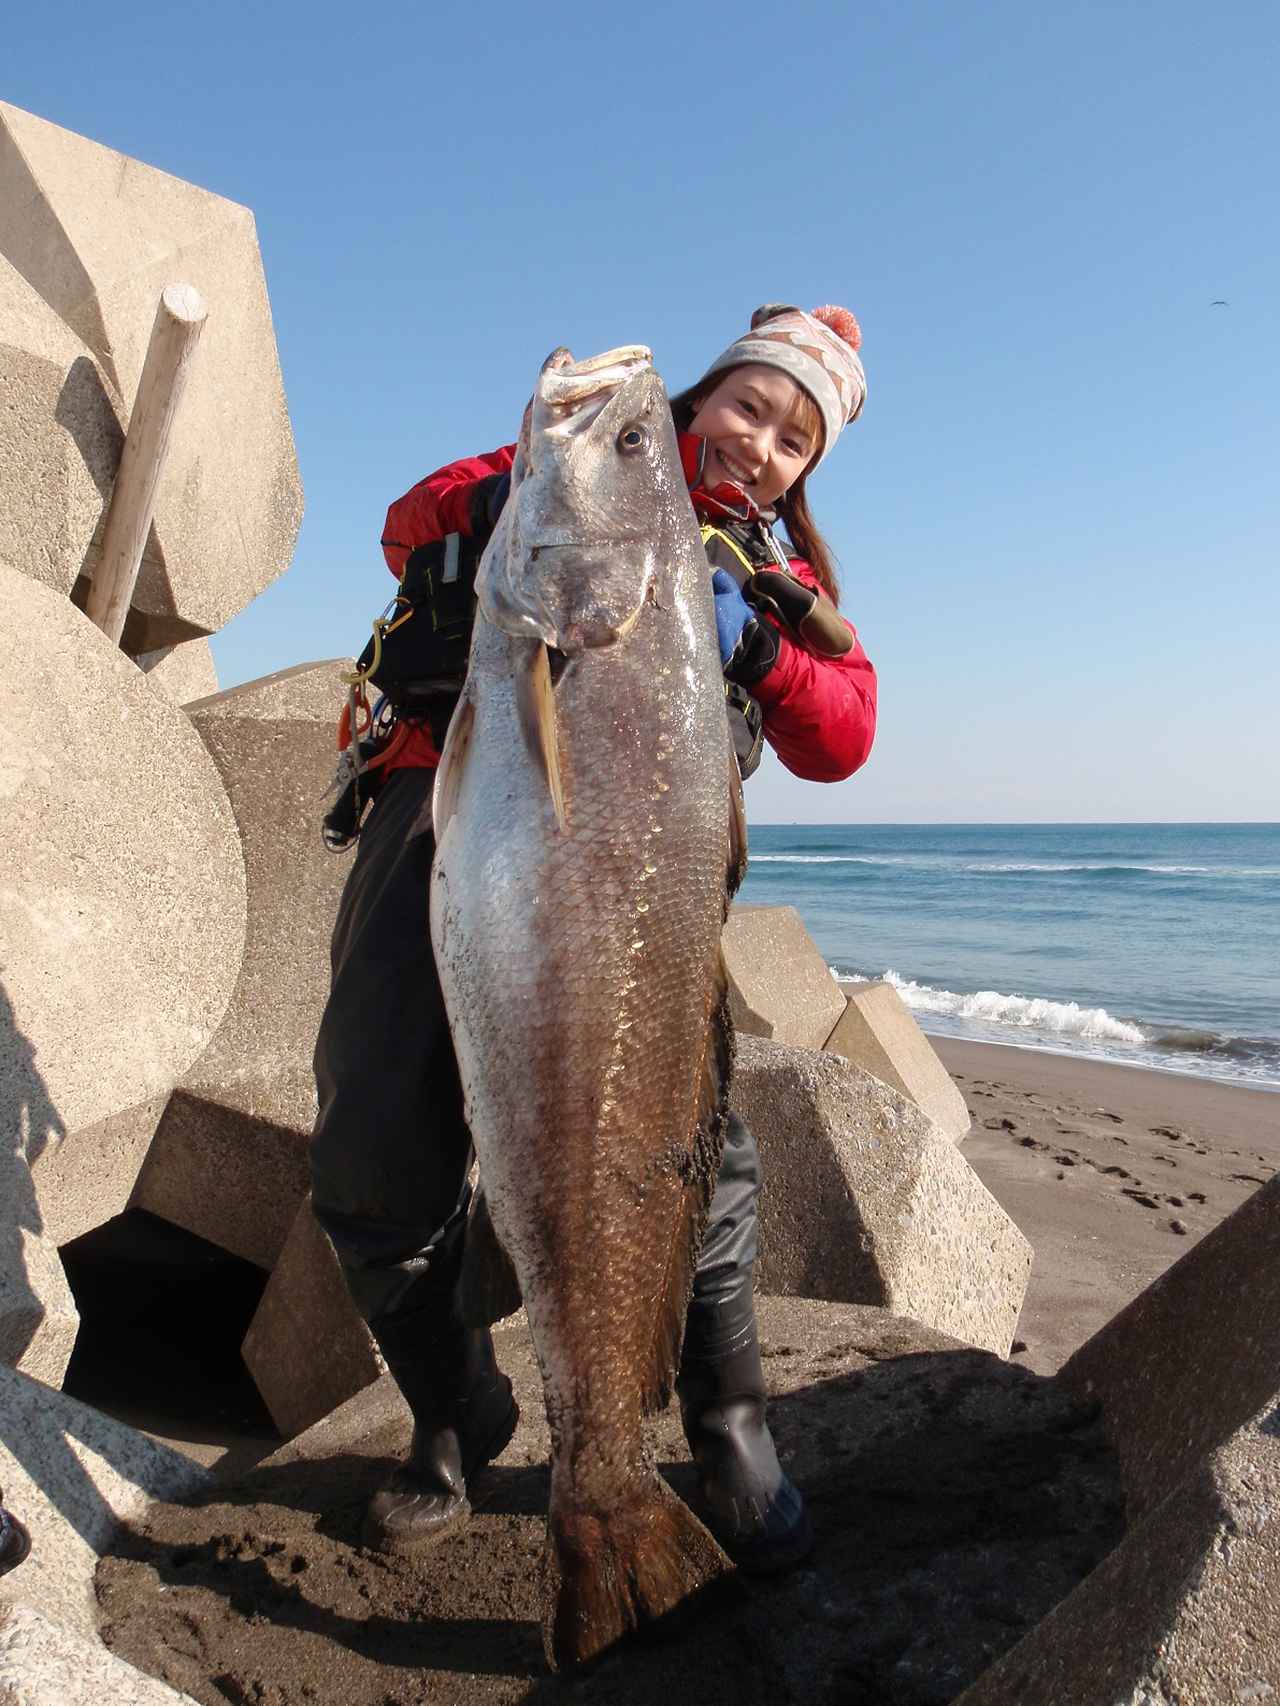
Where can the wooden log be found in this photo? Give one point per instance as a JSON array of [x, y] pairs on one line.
[[179, 321]]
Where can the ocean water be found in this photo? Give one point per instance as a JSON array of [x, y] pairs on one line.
[[1154, 944]]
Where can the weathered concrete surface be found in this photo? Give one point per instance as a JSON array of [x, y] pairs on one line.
[[878, 1032], [38, 1317], [955, 1497], [99, 236], [1186, 1610], [122, 911], [1193, 1357], [71, 1475], [44, 1664], [779, 984], [181, 673], [229, 1161], [60, 439], [306, 1303], [864, 1202]]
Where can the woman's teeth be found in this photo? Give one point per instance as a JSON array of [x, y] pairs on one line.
[[736, 472]]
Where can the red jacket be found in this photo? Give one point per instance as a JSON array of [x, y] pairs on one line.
[[819, 713]]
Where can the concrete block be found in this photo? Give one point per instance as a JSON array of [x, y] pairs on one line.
[[84, 1182], [1186, 1609], [99, 236], [181, 673], [306, 1303], [38, 1316], [71, 1475], [44, 1664], [779, 984], [878, 1032], [229, 1160], [60, 439], [122, 913], [1194, 1356], [864, 1201]]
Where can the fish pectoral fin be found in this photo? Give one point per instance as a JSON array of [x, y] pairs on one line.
[[700, 1174], [453, 763], [536, 706], [488, 1286]]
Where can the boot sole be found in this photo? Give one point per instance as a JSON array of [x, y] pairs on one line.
[[398, 1544]]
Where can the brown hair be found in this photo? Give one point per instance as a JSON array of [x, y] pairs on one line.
[[793, 505]]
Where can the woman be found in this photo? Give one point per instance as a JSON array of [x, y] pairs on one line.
[[391, 1150]]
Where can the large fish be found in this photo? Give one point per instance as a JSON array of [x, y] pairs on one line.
[[589, 831]]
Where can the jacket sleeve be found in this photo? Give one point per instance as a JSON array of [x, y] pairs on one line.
[[439, 505], [819, 713]]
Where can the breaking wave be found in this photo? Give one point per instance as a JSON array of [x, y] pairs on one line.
[[1066, 1019]]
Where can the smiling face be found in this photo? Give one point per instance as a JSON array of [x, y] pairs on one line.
[[762, 432]]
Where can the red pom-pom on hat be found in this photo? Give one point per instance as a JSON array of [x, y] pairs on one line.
[[841, 322]]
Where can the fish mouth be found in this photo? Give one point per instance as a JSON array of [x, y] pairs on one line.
[[571, 393]]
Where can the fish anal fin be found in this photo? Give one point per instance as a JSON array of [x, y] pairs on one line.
[[700, 1170], [536, 706], [453, 763], [488, 1289], [610, 1572]]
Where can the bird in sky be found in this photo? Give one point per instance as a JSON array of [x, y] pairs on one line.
[[1220, 302]]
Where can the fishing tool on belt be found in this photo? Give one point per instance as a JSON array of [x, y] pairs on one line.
[[416, 658]]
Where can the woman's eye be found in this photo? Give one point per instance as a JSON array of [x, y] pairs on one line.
[[747, 408], [631, 439]]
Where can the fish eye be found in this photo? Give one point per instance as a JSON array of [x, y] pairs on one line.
[[632, 438]]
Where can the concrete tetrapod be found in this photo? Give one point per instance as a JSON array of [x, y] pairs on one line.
[[878, 1032], [866, 1202], [71, 1476], [98, 236], [779, 984], [60, 439], [1187, 1608], [122, 918], [229, 1161], [306, 1304], [43, 1663]]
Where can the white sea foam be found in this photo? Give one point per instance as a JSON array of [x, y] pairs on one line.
[[1114, 865], [1021, 1012]]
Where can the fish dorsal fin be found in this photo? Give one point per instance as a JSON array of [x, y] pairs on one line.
[[536, 706], [453, 762]]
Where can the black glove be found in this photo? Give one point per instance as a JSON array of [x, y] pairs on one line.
[[811, 618]]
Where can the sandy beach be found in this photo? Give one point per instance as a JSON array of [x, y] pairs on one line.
[[1112, 1172]]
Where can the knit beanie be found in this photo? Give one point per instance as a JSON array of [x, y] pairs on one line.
[[818, 350]]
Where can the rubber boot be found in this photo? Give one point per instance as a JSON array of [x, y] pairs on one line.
[[463, 1417], [15, 1542], [751, 1506]]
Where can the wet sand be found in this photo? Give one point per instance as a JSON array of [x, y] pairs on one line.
[[1112, 1172]]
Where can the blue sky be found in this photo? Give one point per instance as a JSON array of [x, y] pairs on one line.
[[1058, 518]]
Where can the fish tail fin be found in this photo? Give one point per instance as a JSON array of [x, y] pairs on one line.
[[610, 1573]]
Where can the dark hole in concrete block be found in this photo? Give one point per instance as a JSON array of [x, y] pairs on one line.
[[162, 1317]]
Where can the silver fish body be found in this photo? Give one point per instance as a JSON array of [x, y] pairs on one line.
[[589, 831]]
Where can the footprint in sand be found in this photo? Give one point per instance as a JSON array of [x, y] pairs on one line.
[[1247, 1179], [1142, 1198], [1167, 1131], [1000, 1125], [1102, 1114]]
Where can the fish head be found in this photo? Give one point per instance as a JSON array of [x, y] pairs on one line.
[[584, 537]]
